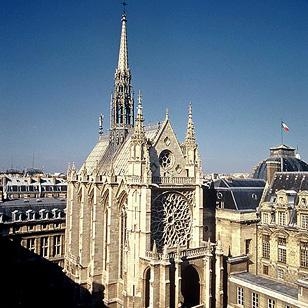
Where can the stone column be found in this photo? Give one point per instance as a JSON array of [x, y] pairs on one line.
[[178, 278], [164, 300], [154, 279], [219, 275], [207, 270]]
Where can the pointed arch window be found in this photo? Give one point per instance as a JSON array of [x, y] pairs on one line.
[[147, 279], [123, 234], [105, 203]]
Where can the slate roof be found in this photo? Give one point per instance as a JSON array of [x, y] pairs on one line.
[[239, 194], [268, 284], [25, 181], [292, 181], [23, 205]]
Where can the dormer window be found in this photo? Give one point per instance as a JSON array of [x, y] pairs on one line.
[[303, 201], [56, 213], [30, 215], [16, 215], [43, 214]]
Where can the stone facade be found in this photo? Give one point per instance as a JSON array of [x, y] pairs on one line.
[[31, 183], [282, 232], [237, 232], [134, 235], [37, 225], [282, 249]]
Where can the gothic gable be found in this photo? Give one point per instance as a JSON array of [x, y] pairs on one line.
[[166, 155]]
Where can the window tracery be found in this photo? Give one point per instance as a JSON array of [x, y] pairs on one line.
[[171, 220], [166, 159]]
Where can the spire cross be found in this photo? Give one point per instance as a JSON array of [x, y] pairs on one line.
[[124, 5]]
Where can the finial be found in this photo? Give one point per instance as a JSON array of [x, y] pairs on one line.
[[297, 155], [167, 114], [139, 130], [190, 132], [69, 167], [165, 255], [100, 122], [111, 120], [190, 108], [123, 52], [154, 250], [124, 5], [139, 102]]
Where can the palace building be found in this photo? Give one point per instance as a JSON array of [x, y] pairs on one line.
[[281, 274]]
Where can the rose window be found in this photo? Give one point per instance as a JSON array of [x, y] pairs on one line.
[[171, 220], [166, 159]]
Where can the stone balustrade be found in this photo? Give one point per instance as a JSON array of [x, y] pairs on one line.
[[188, 254]]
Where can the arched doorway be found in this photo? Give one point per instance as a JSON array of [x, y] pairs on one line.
[[190, 286], [147, 277]]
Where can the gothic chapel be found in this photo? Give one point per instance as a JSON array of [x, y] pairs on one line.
[[134, 235]]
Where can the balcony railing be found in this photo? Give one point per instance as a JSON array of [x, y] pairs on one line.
[[187, 253], [164, 180], [172, 180]]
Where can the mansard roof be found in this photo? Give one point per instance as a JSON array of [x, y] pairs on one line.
[[36, 205], [289, 181], [239, 194]]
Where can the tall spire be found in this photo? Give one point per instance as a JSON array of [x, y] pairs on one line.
[[190, 132], [123, 54], [122, 103]]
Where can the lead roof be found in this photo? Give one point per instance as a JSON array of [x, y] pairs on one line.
[[239, 194]]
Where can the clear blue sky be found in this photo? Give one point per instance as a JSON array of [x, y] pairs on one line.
[[242, 64]]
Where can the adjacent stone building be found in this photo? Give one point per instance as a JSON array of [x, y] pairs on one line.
[[37, 225], [230, 220], [282, 249], [32, 183]]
